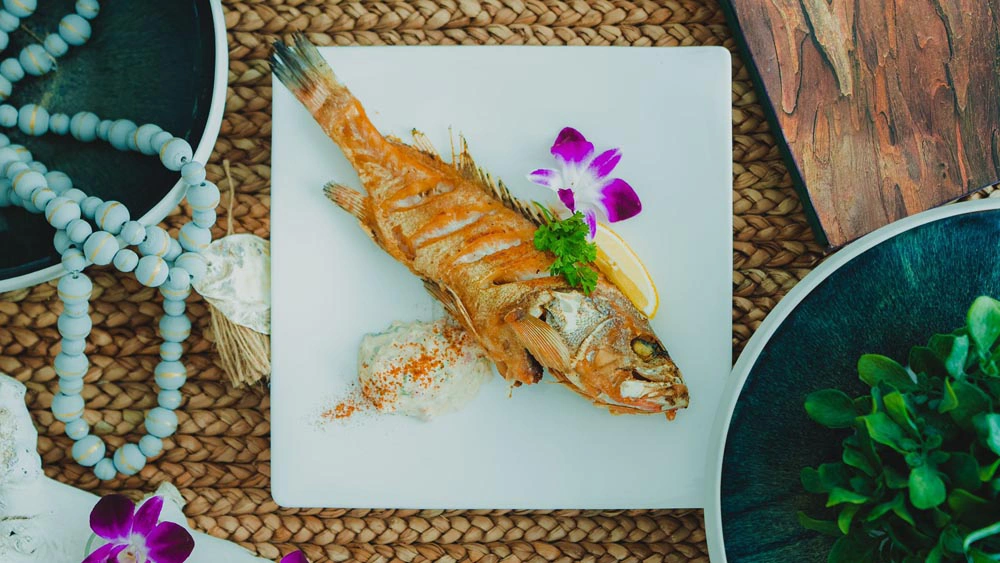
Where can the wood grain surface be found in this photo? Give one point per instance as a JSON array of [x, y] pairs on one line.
[[887, 108]]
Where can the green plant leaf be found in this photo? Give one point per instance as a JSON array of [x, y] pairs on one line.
[[949, 401], [926, 487], [983, 320], [923, 360], [849, 550], [977, 556], [955, 362], [895, 406], [858, 460], [831, 408], [986, 472], [894, 479], [883, 430], [989, 426], [971, 401], [811, 481], [874, 369], [881, 510], [827, 527], [840, 495], [961, 501], [980, 534], [846, 516], [963, 470], [834, 475]]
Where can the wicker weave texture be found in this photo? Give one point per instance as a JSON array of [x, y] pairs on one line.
[[220, 457]]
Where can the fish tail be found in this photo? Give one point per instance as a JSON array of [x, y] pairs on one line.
[[302, 69]]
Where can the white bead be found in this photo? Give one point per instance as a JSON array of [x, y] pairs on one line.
[[78, 230], [88, 8], [194, 238], [143, 138], [61, 241], [126, 260], [58, 181], [152, 271], [60, 211], [26, 182], [89, 206], [150, 446], [22, 153], [111, 216], [133, 232], [41, 197], [121, 134], [128, 459], [72, 347], [172, 307], [160, 139], [67, 407], [55, 45], [103, 128], [194, 263], [38, 167], [174, 252], [88, 450], [105, 470], [169, 398], [171, 351], [161, 422], [157, 241], [70, 366], [59, 123], [175, 153], [193, 173], [11, 70], [35, 60], [74, 29], [78, 428], [83, 126], [20, 8], [5, 88], [100, 248], [73, 261], [8, 21], [76, 195], [33, 119]]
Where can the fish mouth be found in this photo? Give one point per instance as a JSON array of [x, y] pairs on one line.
[[653, 396]]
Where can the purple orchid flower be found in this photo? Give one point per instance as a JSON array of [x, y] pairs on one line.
[[134, 536], [295, 557], [582, 181]]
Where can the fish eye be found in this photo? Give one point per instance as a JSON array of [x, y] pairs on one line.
[[643, 348]]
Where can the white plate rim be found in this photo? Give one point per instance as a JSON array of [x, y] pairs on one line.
[[206, 144], [759, 340]]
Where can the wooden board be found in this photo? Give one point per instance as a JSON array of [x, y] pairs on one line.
[[886, 108]]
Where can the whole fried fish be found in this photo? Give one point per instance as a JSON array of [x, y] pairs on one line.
[[471, 243]]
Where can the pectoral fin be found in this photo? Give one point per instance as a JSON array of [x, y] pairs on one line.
[[355, 203], [541, 340]]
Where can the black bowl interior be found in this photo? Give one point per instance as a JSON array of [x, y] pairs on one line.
[[885, 300], [151, 61]]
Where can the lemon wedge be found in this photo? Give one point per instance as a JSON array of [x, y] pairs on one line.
[[623, 268]]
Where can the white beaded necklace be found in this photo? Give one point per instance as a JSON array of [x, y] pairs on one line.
[[92, 231]]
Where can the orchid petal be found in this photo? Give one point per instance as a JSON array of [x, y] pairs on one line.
[[295, 557], [604, 163], [100, 555], [568, 199], [545, 177], [111, 518], [569, 135], [619, 200], [147, 516], [571, 147], [591, 218], [113, 556], [169, 543]]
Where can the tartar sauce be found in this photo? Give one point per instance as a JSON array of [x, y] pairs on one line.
[[421, 369]]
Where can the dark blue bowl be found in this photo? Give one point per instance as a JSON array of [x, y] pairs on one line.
[[885, 293], [151, 61]]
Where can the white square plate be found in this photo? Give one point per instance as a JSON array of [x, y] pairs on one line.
[[544, 447]]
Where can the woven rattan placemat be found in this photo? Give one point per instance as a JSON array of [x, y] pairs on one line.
[[220, 457]]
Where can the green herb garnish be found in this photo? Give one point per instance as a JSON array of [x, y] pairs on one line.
[[918, 479], [567, 240]]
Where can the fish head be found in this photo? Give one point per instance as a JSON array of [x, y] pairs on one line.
[[603, 348]]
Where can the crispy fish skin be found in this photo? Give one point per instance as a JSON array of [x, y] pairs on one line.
[[472, 245]]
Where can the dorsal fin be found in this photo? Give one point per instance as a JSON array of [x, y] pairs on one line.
[[466, 166]]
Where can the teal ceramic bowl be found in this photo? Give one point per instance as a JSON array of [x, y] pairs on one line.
[[151, 61], [883, 294]]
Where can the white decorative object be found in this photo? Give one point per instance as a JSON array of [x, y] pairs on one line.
[[238, 280], [42, 520]]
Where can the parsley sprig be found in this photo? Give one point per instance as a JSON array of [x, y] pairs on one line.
[[567, 240], [919, 477]]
